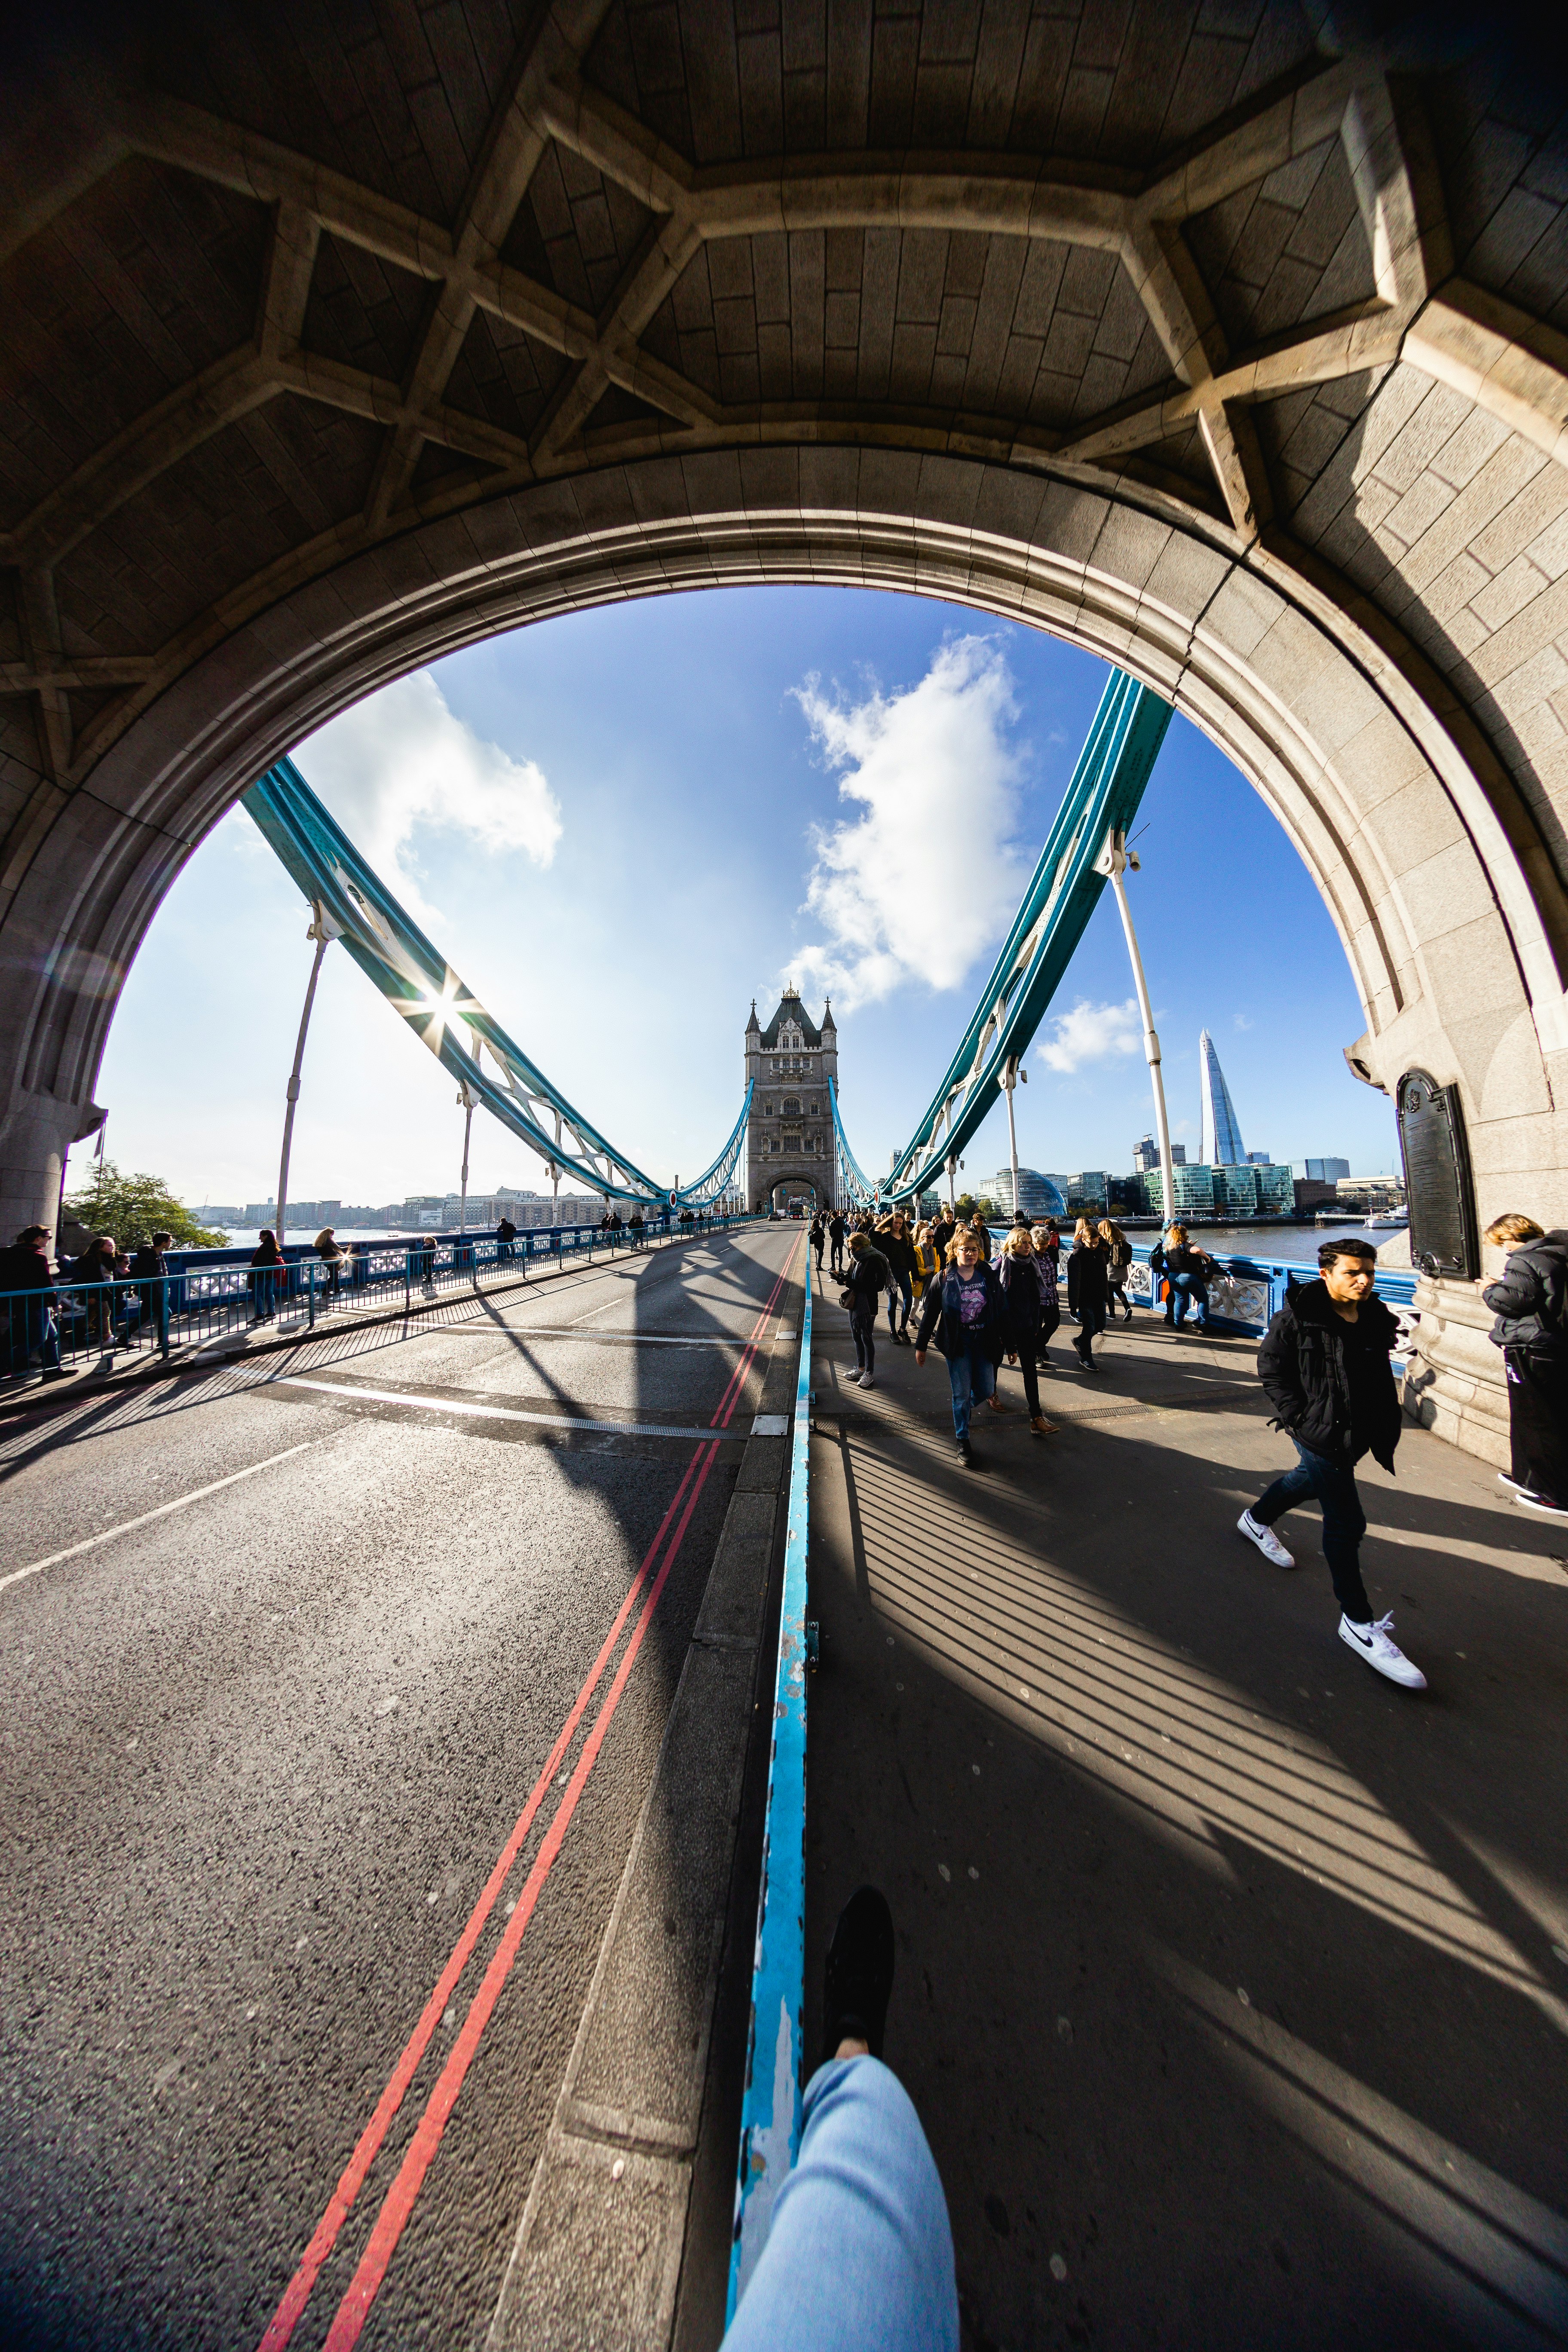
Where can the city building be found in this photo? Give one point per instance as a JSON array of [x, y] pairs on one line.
[[1359, 1193], [1260, 1159], [1037, 1195], [1219, 1129], [1322, 1171], [1193, 1186], [789, 1135], [1312, 1194], [1089, 1190], [1146, 1155]]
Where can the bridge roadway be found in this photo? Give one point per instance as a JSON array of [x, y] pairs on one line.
[[263, 1751], [1233, 1983]]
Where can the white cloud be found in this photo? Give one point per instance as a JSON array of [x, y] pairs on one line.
[[921, 882], [1242, 1022], [402, 760], [1091, 1033]]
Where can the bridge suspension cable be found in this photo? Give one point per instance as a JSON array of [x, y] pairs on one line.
[[419, 983], [1108, 783]]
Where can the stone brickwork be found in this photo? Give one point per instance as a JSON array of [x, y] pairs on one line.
[[1231, 350], [789, 1135]]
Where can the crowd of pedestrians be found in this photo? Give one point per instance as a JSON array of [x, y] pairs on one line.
[[1324, 1362]]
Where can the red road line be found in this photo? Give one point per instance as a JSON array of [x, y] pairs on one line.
[[286, 2317], [354, 2308]]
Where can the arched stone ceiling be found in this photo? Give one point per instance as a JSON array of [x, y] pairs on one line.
[[320, 321]]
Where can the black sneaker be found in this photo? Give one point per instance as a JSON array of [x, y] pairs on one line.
[[966, 1454], [858, 1977]]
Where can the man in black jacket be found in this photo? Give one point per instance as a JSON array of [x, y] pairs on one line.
[[1530, 1302], [1324, 1368], [24, 1267]]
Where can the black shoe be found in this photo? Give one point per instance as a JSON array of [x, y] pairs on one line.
[[858, 1977], [966, 1454]]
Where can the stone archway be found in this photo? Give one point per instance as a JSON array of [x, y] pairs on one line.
[[1051, 382], [798, 1184]]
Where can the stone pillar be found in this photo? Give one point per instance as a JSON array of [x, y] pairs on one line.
[[1455, 1383], [37, 1130]]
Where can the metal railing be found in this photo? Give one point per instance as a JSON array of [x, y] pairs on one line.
[[771, 2102], [207, 1295]]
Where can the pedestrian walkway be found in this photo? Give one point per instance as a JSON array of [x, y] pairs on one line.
[[1233, 1982]]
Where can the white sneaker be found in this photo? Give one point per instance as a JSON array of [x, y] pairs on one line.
[[868, 1379], [1539, 1503], [1267, 1543], [1512, 1484], [1384, 1656], [854, 1374]]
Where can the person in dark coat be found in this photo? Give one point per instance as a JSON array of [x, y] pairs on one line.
[[836, 1242], [266, 1266], [1530, 1301], [151, 1270], [1088, 1284], [505, 1238], [1047, 1244], [966, 1311], [866, 1276], [24, 1267], [1024, 1286], [893, 1241], [1324, 1368]]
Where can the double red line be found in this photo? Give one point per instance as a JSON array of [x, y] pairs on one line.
[[399, 2201]]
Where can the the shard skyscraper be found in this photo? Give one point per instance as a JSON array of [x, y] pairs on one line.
[[1219, 1142]]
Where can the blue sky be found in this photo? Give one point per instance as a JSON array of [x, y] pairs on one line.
[[620, 825]]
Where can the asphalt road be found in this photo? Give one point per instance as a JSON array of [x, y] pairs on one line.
[[263, 1755]]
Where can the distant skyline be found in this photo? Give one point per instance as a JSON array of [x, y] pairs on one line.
[[621, 824]]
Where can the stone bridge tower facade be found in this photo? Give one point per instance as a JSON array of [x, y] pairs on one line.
[[789, 1136]]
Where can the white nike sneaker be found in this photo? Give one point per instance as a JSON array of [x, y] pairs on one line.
[[1539, 1503], [868, 1379], [1267, 1543], [1384, 1656]]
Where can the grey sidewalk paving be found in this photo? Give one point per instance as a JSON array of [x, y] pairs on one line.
[[1233, 1982]]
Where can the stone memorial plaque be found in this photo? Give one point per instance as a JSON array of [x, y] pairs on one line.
[[1436, 1178]]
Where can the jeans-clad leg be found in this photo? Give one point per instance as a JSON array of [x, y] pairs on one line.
[[958, 1379], [1333, 1484], [859, 2254]]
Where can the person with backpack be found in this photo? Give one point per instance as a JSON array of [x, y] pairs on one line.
[[866, 1277], [1324, 1368], [1025, 1287], [1118, 1258], [965, 1311], [1156, 1270], [1188, 1271], [1530, 1301], [1088, 1287]]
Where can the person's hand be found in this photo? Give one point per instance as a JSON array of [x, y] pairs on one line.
[[920, 1355]]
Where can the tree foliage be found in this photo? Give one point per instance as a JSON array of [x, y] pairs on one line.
[[965, 1204], [134, 1208]]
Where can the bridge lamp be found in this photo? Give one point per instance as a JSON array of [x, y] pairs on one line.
[[1012, 1072], [1113, 862]]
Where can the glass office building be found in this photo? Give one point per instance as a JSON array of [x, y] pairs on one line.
[[1038, 1196]]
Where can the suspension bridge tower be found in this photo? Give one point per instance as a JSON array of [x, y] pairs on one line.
[[789, 1137]]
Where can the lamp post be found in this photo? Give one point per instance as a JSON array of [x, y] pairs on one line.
[[1113, 862], [323, 932], [1010, 1076], [465, 1104], [951, 1180]]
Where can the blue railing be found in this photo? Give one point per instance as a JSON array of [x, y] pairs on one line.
[[771, 2102], [1249, 1291], [206, 1294]]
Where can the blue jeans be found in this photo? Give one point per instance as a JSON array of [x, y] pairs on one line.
[[859, 2253], [1331, 1483], [973, 1377], [1190, 1285]]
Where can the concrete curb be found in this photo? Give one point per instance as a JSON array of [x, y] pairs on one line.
[[608, 2235]]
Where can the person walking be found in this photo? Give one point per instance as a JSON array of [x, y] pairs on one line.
[[1187, 1270], [264, 1270], [928, 1263], [944, 1224], [505, 1238], [866, 1276], [329, 1249], [965, 1312], [1118, 1258], [1324, 1368], [982, 1232], [1530, 1301], [818, 1238], [1047, 1244], [24, 1274], [1087, 1283], [150, 1269], [1024, 1288], [896, 1246], [836, 1242]]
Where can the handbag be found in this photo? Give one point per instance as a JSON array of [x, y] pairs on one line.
[[846, 1300]]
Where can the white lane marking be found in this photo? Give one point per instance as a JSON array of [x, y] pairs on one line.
[[163, 1510], [496, 1411], [568, 1331]]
